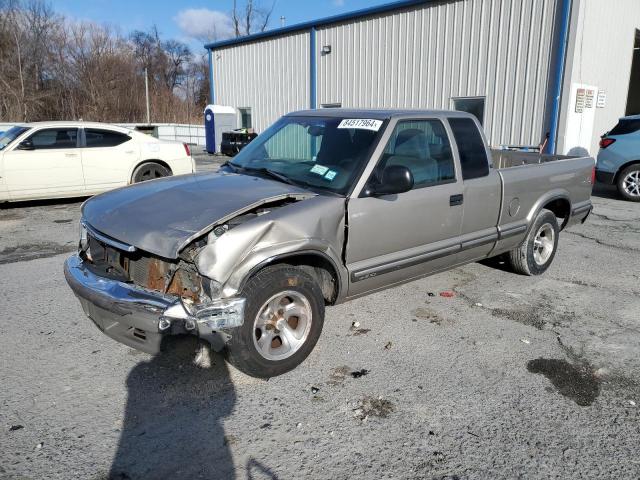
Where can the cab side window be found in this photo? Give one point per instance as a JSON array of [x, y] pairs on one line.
[[424, 148], [54, 138], [96, 138]]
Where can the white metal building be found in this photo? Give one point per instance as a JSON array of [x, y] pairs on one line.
[[527, 68]]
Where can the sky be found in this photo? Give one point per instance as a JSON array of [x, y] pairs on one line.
[[190, 20]]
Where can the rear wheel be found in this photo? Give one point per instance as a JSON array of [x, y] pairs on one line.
[[149, 171], [537, 252], [629, 183], [283, 320]]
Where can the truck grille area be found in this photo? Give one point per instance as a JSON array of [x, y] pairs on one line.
[[145, 270]]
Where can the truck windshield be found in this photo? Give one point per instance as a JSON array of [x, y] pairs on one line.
[[326, 153], [10, 135]]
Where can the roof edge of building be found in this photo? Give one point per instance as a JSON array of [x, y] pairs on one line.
[[299, 27]]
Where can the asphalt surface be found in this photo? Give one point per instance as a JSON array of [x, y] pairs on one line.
[[512, 377]]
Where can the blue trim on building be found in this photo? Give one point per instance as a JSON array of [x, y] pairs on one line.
[[388, 7], [212, 96], [212, 91], [313, 73], [558, 74]]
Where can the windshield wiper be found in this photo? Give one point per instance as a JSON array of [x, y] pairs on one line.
[[234, 166], [272, 174], [268, 172]]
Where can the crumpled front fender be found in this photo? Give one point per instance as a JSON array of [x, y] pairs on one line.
[[313, 226]]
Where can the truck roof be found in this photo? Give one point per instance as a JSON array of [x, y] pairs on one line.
[[377, 114]]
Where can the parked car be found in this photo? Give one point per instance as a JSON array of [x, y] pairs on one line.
[[619, 158], [324, 207], [236, 140], [68, 159]]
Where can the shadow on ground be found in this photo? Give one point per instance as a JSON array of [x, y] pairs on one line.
[[173, 417], [42, 203], [606, 191]]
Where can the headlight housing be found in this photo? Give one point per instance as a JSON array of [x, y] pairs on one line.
[[84, 238]]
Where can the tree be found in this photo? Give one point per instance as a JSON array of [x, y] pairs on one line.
[[54, 68], [177, 58], [253, 18]]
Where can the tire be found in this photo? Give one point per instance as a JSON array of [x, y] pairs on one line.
[[629, 183], [149, 171], [258, 347], [537, 252]]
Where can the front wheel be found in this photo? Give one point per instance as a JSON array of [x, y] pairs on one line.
[[629, 183], [283, 320], [537, 252]]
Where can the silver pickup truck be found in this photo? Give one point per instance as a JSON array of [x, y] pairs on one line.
[[323, 207]]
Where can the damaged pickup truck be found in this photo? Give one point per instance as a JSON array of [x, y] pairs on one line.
[[323, 207]]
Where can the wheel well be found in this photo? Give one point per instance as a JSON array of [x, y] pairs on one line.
[[320, 268], [622, 167], [561, 208], [144, 162]]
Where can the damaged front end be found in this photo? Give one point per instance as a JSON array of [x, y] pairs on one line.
[[137, 298]]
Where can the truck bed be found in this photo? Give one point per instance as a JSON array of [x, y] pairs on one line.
[[511, 158]]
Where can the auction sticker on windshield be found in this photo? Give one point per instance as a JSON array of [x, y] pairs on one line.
[[361, 123]]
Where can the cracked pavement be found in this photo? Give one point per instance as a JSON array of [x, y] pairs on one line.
[[513, 377]]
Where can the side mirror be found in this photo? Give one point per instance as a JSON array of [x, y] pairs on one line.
[[26, 145], [395, 179]]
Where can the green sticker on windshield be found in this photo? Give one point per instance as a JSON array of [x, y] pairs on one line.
[[319, 169], [331, 175]]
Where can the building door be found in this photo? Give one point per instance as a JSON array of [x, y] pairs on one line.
[[633, 100], [580, 120]]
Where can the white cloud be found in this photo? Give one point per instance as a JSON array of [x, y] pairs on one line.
[[338, 3], [204, 24]]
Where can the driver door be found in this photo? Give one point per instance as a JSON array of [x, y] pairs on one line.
[[47, 165], [393, 238]]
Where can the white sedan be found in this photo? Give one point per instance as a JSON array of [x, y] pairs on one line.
[[70, 159]]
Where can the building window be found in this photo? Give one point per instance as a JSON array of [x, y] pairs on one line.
[[472, 105], [245, 118]]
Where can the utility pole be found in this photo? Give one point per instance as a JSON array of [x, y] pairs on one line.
[[283, 20], [146, 90]]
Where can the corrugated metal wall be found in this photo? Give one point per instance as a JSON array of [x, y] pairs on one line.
[[418, 57], [270, 76], [424, 56]]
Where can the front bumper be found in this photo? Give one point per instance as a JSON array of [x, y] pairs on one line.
[[141, 318]]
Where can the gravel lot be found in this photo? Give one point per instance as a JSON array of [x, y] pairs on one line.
[[513, 377]]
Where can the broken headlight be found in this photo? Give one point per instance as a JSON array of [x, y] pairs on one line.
[[84, 238]]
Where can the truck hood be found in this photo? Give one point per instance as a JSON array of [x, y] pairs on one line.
[[163, 216]]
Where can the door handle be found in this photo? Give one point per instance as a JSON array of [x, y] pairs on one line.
[[456, 200], [70, 154]]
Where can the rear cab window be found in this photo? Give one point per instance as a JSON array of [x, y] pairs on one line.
[[471, 148], [99, 138]]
